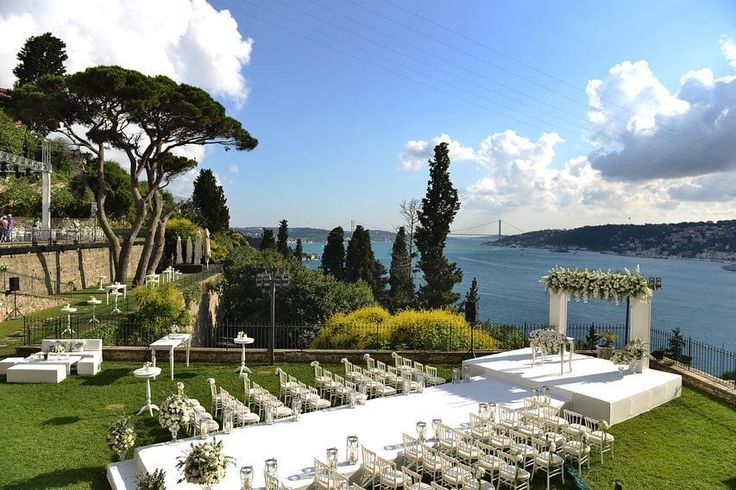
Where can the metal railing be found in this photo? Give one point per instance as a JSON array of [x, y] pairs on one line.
[[709, 361]]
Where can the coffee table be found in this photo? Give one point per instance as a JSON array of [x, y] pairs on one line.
[[57, 359]]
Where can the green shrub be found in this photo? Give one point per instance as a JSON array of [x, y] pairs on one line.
[[160, 308], [729, 375], [191, 293], [507, 337], [365, 328]]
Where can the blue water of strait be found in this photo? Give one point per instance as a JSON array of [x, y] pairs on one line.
[[698, 296]]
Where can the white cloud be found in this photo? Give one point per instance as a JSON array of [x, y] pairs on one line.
[[187, 40], [728, 48], [234, 168], [417, 152]]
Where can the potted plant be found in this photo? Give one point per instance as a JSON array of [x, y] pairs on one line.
[[637, 351], [605, 350]]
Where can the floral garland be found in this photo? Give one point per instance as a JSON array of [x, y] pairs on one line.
[[595, 284], [121, 435], [205, 464], [175, 412], [547, 339]]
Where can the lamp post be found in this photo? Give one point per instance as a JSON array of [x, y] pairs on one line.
[[272, 280]]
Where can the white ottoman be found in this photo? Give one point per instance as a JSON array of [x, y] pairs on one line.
[[36, 373], [88, 367], [9, 362]]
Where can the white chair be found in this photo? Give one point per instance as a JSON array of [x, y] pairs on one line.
[[575, 423], [508, 418], [547, 461], [480, 428], [431, 462], [388, 475], [432, 377], [413, 481], [369, 467], [454, 472], [216, 399], [598, 436], [412, 452], [313, 400], [576, 449], [488, 460], [522, 447], [465, 449], [322, 476], [512, 473]]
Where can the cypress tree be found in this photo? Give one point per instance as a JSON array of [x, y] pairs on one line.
[[39, 56], [401, 286], [333, 255], [282, 246], [267, 240], [361, 263], [209, 203], [298, 250], [439, 207]]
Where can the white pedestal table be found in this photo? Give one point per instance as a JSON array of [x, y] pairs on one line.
[[147, 374], [242, 341]]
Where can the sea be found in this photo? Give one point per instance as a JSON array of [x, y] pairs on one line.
[[698, 296]]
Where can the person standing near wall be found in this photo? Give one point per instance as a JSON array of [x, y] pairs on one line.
[[4, 228], [10, 228]]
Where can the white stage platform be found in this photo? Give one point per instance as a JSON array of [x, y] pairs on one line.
[[594, 387], [378, 425]]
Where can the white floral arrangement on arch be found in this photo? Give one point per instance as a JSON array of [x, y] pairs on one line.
[[548, 340], [205, 464], [584, 284], [121, 435], [175, 412]]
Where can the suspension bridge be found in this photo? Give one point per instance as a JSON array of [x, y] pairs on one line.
[[492, 230]]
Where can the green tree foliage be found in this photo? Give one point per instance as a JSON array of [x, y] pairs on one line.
[[310, 298], [267, 240], [39, 56], [361, 263], [13, 136], [20, 197], [283, 235], [298, 250], [209, 203], [111, 102], [119, 204], [439, 207], [401, 284], [333, 255]]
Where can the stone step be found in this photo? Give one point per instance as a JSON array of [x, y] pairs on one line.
[[121, 475]]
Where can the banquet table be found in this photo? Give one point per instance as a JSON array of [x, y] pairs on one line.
[[171, 342]]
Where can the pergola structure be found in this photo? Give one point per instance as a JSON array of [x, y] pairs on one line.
[[20, 165]]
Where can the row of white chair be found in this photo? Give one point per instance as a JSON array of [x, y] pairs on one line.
[[291, 388]]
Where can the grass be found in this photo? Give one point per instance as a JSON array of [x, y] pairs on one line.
[[54, 435]]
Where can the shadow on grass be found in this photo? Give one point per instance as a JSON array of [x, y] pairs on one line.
[[107, 377], [69, 419], [180, 376], [92, 475], [730, 483]]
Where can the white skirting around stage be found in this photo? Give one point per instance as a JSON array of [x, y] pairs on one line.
[[378, 425], [594, 387]]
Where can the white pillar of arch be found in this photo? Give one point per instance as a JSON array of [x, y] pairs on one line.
[[640, 323], [46, 200], [558, 311]]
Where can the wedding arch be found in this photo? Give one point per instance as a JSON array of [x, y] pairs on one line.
[[562, 284]]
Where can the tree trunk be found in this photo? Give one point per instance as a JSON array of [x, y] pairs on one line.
[[142, 269], [102, 214], [158, 247]]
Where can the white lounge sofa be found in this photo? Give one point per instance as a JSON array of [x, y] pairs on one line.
[[89, 349]]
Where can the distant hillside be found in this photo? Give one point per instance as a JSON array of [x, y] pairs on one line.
[[312, 234], [702, 240]]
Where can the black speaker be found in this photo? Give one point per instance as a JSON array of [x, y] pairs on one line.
[[14, 284], [471, 311]]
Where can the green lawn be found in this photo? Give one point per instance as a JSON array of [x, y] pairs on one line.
[[54, 435]]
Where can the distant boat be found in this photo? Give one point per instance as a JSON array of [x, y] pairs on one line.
[[561, 250]]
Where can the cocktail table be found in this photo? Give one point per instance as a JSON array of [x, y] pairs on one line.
[[242, 341], [147, 374]]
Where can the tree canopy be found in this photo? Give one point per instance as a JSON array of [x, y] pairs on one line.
[[333, 255], [282, 245], [361, 263], [40, 55], [438, 210], [401, 285], [209, 204], [267, 240], [148, 118]]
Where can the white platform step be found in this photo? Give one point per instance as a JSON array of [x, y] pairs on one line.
[[121, 475]]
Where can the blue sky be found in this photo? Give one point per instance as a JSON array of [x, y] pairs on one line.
[[335, 131]]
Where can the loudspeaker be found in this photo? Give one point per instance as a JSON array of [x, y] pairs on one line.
[[14, 284], [471, 311]]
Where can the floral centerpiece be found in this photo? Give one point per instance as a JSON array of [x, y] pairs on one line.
[[206, 464], [59, 348], [548, 340], [121, 436], [595, 284], [175, 412], [147, 366], [241, 334], [634, 351]]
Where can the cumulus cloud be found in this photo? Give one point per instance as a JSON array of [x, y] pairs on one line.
[[644, 132], [417, 153], [234, 168], [728, 48], [187, 40]]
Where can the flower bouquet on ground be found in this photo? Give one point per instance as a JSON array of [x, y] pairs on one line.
[[205, 464], [174, 414], [151, 481], [121, 436]]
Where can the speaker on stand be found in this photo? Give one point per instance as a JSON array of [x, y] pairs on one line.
[[14, 287], [471, 316]]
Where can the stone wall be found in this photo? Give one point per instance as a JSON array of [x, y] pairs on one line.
[[62, 268], [28, 303]]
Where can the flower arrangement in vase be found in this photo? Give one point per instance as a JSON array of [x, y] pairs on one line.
[[151, 481], [175, 412], [205, 464], [121, 436]]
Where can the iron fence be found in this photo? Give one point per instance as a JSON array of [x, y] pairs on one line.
[[709, 361]]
